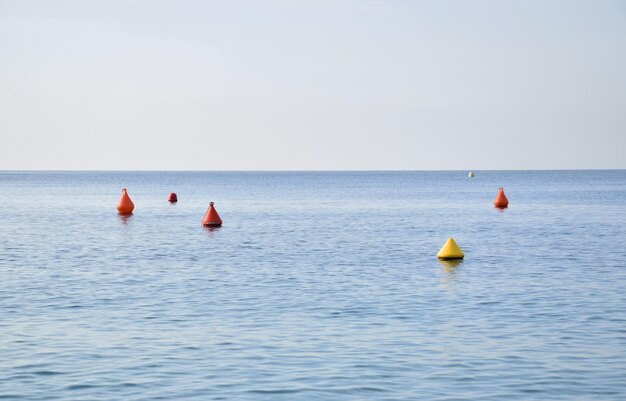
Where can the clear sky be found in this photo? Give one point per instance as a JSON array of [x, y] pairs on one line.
[[312, 85]]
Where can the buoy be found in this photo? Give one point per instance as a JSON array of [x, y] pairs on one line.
[[450, 251], [470, 174], [173, 198], [211, 218], [125, 205], [501, 200]]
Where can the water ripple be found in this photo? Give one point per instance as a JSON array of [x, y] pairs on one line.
[[319, 286]]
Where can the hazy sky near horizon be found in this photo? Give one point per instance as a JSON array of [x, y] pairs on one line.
[[321, 85]]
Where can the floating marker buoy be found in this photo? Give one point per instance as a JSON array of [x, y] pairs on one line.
[[125, 205], [450, 251], [211, 218], [501, 201], [173, 198], [470, 174]]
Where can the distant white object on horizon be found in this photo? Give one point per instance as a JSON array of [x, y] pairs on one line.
[[470, 174]]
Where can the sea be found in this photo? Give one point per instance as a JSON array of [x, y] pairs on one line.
[[318, 286]]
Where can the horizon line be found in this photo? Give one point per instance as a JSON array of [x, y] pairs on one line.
[[295, 171]]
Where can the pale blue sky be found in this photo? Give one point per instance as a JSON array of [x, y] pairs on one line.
[[323, 85]]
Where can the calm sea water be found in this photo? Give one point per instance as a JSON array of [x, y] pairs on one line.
[[319, 286]]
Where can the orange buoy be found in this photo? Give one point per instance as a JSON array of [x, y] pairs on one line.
[[125, 205], [501, 201], [173, 198], [211, 218]]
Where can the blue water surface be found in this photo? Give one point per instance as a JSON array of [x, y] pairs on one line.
[[319, 286]]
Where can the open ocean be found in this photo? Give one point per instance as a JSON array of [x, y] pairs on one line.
[[319, 286]]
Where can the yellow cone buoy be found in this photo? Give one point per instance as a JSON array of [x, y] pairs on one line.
[[450, 250]]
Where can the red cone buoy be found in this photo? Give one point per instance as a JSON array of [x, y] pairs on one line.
[[211, 218], [173, 198], [501, 200], [125, 205]]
